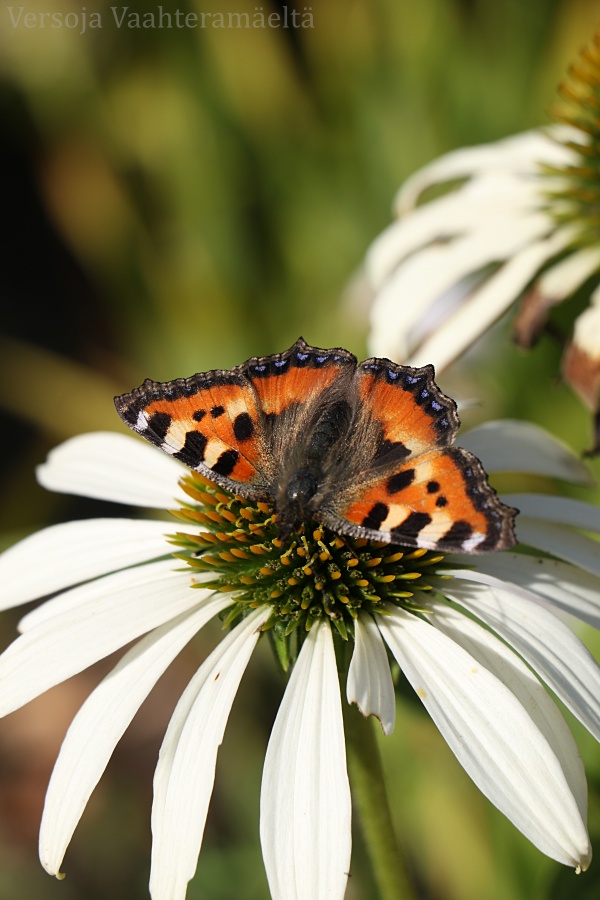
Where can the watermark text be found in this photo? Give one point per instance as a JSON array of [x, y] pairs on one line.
[[122, 17]]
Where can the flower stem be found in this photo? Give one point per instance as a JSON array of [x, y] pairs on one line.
[[370, 798]]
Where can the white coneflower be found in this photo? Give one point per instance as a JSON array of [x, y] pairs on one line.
[[460, 628], [519, 221]]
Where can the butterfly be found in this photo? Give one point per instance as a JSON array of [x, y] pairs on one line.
[[364, 449]]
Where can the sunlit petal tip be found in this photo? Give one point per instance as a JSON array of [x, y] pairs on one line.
[[51, 866], [585, 861]]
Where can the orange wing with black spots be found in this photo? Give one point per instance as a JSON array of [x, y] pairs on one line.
[[298, 377], [212, 422], [437, 500], [414, 487], [366, 450], [236, 426], [406, 405]]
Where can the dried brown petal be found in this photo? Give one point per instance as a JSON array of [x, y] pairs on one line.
[[531, 318]]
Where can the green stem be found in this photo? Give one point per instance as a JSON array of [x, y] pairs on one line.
[[370, 799]]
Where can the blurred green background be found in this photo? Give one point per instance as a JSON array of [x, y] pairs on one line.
[[181, 199]]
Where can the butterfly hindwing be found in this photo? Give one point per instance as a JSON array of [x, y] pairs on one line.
[[438, 500]]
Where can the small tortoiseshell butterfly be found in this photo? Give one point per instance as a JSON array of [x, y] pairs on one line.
[[364, 449]]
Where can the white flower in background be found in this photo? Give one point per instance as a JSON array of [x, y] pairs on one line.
[[518, 220], [447, 269], [472, 645]]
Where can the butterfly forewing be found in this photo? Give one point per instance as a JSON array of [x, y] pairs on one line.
[[296, 377], [211, 422], [406, 404], [293, 390]]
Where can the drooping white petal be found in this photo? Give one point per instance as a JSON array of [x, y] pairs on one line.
[[185, 773], [551, 508], [519, 154], [369, 683], [433, 271], [66, 554], [564, 586], [511, 671], [305, 810], [506, 200], [509, 445], [560, 541], [109, 613], [492, 735], [564, 277], [102, 720], [113, 467], [542, 639], [487, 303]]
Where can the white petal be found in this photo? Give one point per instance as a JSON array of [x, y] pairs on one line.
[[511, 671], [542, 639], [482, 208], [586, 332], [90, 592], [67, 554], [113, 467], [551, 508], [185, 773], [101, 722], [487, 303], [560, 541], [110, 612], [369, 683], [564, 277], [492, 735], [432, 272], [509, 445], [520, 154], [305, 810], [560, 584]]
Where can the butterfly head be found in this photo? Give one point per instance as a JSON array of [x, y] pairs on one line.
[[295, 500]]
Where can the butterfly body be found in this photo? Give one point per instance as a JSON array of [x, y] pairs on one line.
[[365, 449]]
